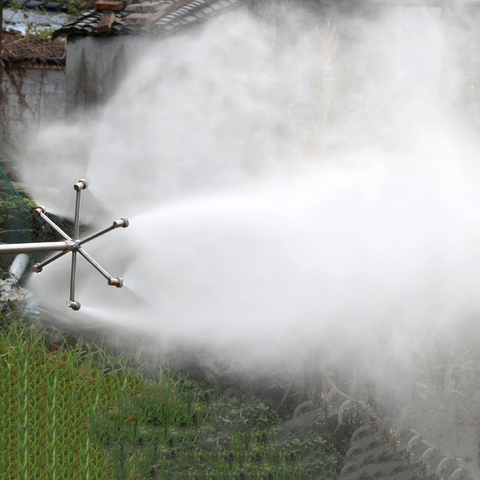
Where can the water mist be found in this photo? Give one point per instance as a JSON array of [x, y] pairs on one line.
[[368, 254]]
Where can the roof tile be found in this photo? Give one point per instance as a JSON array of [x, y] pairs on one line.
[[157, 17]]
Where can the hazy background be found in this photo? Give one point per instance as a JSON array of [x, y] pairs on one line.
[[319, 194]]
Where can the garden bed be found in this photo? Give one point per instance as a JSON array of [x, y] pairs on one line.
[[78, 409]]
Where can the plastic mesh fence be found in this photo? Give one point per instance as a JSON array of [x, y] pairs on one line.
[[19, 225]]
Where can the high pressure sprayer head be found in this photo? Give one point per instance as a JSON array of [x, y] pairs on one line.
[[123, 222], [80, 185], [38, 211], [74, 245]]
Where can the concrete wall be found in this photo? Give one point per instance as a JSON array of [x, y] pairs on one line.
[[33, 97], [95, 66]]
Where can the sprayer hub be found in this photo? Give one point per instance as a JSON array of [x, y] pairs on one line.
[[72, 245]]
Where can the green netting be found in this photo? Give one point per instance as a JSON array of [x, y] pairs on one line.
[[19, 225]]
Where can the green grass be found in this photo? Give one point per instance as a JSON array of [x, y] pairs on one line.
[[69, 415], [47, 401]]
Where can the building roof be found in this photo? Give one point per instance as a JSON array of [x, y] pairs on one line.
[[161, 17]]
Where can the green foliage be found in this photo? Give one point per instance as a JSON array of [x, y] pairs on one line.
[[30, 202], [38, 32], [79, 413], [10, 205], [4, 275], [176, 428], [75, 8], [46, 402], [16, 215]]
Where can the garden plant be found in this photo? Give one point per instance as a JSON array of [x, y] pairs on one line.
[[80, 413]]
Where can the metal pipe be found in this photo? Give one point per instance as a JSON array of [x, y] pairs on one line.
[[96, 235], [123, 222], [40, 212], [72, 276], [87, 257], [76, 220], [35, 247], [38, 267]]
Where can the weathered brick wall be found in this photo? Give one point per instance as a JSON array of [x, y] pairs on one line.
[[33, 97]]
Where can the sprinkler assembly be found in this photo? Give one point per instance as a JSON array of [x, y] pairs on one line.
[[73, 245]]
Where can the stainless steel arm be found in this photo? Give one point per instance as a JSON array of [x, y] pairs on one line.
[[35, 247], [123, 222], [40, 212], [113, 281], [38, 267]]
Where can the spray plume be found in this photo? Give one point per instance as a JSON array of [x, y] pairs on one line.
[[370, 253]]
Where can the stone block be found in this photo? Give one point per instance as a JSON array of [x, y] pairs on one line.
[[33, 101], [60, 88], [26, 84], [54, 100], [12, 97], [106, 22], [55, 75], [33, 75], [25, 88], [49, 87]]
